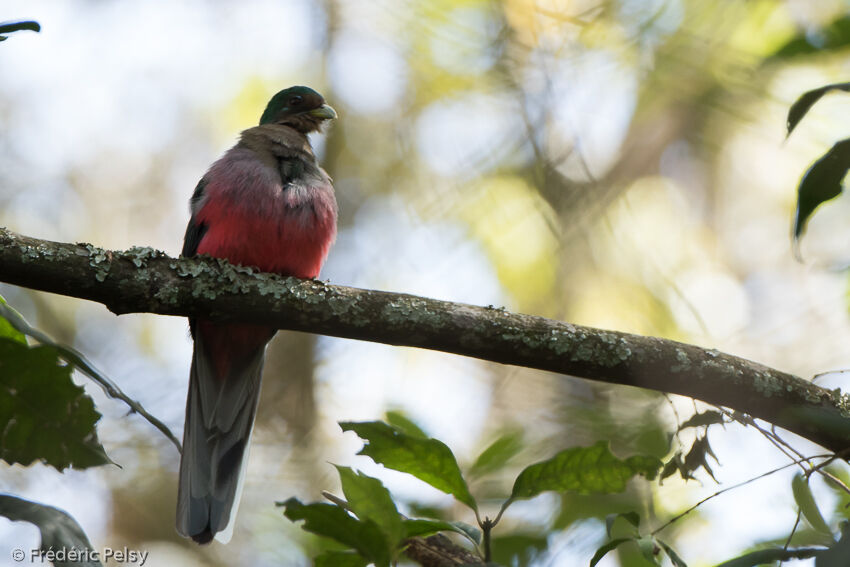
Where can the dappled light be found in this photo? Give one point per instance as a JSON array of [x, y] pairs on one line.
[[620, 164]]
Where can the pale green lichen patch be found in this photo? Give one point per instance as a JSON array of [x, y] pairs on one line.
[[140, 255], [342, 305], [583, 352], [167, 295], [186, 269], [269, 286], [412, 310], [29, 253], [559, 341], [100, 260], [769, 386], [606, 349]]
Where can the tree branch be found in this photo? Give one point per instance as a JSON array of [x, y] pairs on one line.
[[439, 551], [142, 280]]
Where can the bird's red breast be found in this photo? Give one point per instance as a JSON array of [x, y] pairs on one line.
[[253, 219]]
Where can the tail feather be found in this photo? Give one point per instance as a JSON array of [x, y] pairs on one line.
[[224, 388]]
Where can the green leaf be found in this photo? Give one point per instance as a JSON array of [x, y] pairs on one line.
[[674, 557], [9, 27], [369, 499], [602, 551], [471, 533], [7, 330], [420, 510], [697, 457], [497, 453], [340, 559], [47, 417], [428, 460], [419, 527], [73, 357], [400, 421], [763, 556], [805, 102], [631, 517], [831, 37], [333, 522], [676, 463], [585, 470], [808, 507], [703, 419], [649, 549], [836, 555], [59, 531], [819, 184]]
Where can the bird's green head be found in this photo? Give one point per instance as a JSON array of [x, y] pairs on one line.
[[301, 108]]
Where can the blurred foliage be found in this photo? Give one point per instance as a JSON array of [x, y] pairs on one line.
[[368, 520], [823, 180], [616, 163], [47, 417]]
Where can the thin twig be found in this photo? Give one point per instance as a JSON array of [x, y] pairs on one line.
[[793, 530], [820, 375], [740, 484]]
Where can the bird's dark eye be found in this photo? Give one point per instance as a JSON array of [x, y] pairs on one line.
[[296, 100]]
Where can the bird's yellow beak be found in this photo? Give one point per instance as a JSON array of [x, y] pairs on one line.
[[325, 112]]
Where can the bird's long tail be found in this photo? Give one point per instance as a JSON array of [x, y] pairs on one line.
[[224, 387]]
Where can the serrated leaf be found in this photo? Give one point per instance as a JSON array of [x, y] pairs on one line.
[[675, 464], [428, 460], [631, 517], [418, 527], [59, 531], [697, 457], [79, 361], [804, 103], [703, 419], [333, 522], [7, 330], [497, 453], [808, 507], [340, 559], [671, 553], [763, 556], [400, 421], [821, 183], [47, 417], [602, 551], [585, 470], [369, 499]]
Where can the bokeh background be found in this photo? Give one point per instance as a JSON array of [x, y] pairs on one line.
[[614, 163]]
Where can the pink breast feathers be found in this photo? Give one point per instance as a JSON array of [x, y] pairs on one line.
[[253, 221]]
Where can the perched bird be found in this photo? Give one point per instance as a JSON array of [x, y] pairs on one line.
[[265, 203]]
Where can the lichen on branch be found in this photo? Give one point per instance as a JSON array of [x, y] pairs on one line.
[[142, 280]]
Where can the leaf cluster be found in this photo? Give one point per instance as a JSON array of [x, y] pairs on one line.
[[369, 524]]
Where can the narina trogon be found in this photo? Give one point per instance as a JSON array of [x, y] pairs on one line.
[[266, 203]]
